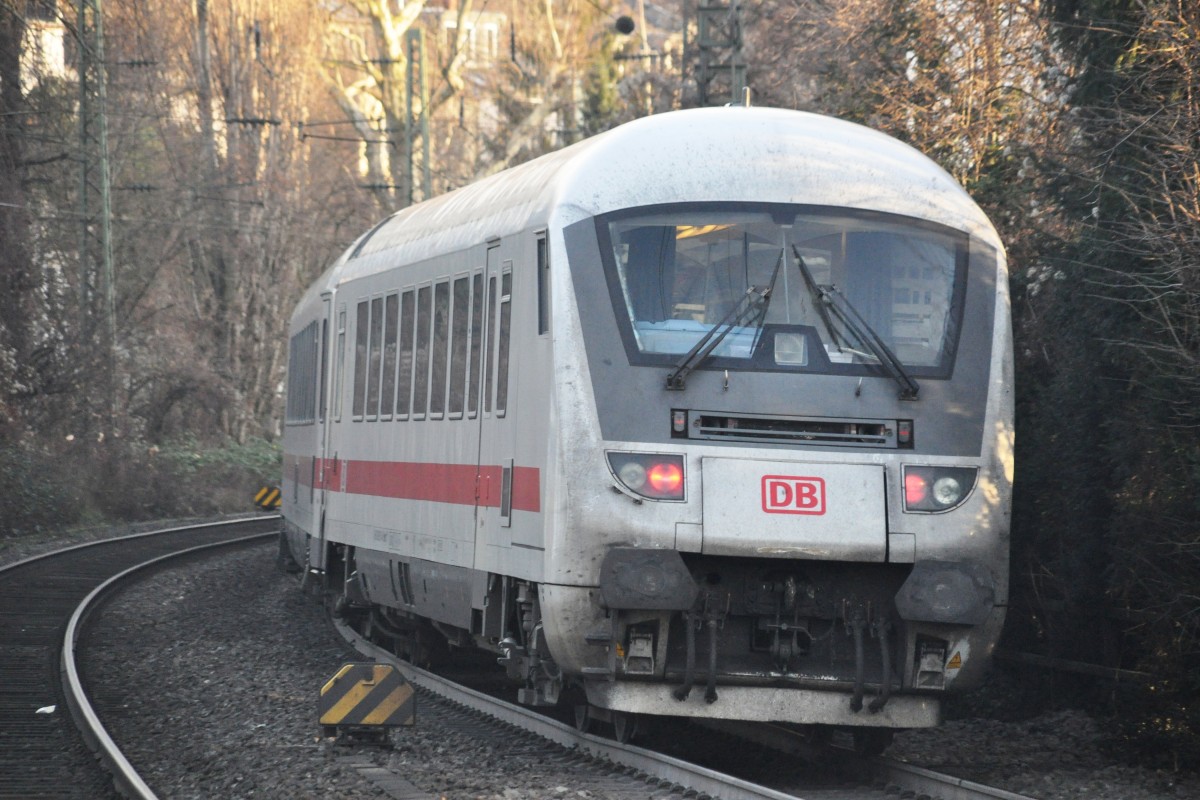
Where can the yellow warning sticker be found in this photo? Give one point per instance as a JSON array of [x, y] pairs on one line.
[[955, 662]]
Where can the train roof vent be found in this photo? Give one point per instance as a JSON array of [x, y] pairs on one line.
[[827, 431]]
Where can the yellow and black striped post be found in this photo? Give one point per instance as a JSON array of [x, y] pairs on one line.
[[364, 696], [268, 498]]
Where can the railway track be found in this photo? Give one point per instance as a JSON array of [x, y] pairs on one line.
[[840, 776], [43, 753], [41, 756]]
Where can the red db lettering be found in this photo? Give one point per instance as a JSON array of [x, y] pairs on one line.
[[793, 494], [806, 496]]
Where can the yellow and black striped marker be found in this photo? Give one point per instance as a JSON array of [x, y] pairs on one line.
[[268, 498], [368, 695]]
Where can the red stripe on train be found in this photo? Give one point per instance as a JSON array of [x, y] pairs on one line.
[[437, 483]]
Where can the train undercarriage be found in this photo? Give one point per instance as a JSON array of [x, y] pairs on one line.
[[718, 637]]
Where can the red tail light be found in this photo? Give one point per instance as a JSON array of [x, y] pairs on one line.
[[937, 488], [666, 478], [915, 490], [656, 476]]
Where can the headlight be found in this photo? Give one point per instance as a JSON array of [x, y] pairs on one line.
[[937, 488], [947, 491], [652, 475], [633, 475]]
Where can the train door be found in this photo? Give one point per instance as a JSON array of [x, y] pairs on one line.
[[333, 336], [497, 431]]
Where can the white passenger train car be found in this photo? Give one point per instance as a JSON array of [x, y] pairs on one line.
[[708, 415]]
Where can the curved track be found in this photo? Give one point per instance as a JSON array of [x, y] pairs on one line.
[[41, 753], [42, 756], [816, 773]]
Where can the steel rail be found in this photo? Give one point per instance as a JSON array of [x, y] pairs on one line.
[[892, 776], [924, 782], [900, 777], [671, 770], [126, 779]]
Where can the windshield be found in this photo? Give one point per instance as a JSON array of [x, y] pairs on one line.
[[681, 271]]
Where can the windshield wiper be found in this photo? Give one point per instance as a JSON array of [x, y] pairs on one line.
[[817, 292], [830, 299], [753, 303]]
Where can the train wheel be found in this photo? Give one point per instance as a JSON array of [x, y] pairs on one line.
[[872, 741], [583, 717], [285, 562], [624, 726]]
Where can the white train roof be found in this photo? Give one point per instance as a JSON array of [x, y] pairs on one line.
[[732, 154]]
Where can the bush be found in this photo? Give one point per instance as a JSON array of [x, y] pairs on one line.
[[39, 493], [222, 478], [98, 482], [1158, 724]]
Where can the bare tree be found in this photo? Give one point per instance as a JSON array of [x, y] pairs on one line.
[[506, 82], [217, 224], [17, 281], [1146, 190]]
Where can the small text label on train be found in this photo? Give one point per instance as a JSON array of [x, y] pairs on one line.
[[791, 494]]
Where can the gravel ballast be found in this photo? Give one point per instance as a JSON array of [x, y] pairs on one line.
[[236, 654]]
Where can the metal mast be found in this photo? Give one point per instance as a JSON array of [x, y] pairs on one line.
[[417, 91], [721, 73], [96, 286]]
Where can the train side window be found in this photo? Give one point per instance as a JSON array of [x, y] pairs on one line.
[[489, 346], [459, 332], [316, 361], [301, 381], [322, 362], [404, 379], [387, 397], [312, 359], [441, 339], [476, 343], [502, 349], [294, 379], [360, 360], [543, 273], [374, 358], [421, 379], [341, 364]]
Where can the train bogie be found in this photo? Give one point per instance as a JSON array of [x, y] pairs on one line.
[[707, 416]]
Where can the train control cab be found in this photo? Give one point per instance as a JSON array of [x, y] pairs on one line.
[[708, 416]]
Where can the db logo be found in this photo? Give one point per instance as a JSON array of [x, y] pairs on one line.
[[788, 494]]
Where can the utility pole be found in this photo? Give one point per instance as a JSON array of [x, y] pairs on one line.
[[418, 88], [96, 286]]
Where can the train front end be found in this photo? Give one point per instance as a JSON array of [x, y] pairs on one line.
[[785, 494]]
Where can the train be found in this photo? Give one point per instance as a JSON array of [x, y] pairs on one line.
[[709, 415]]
